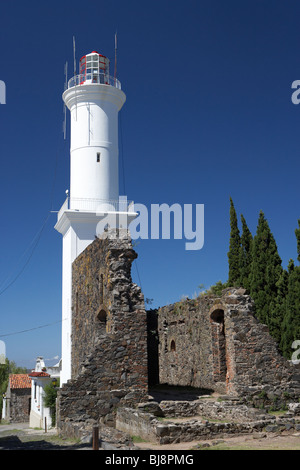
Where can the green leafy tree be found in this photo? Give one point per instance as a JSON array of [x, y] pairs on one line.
[[4, 373], [245, 259], [234, 249], [50, 395], [266, 270]]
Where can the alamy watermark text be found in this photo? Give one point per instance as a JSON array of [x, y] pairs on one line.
[[160, 222]]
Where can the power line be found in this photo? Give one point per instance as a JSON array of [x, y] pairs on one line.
[[31, 329], [39, 234]]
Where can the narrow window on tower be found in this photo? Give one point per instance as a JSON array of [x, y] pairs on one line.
[[98, 157]]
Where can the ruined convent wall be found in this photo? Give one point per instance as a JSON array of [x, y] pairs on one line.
[[218, 344], [185, 344], [109, 337]]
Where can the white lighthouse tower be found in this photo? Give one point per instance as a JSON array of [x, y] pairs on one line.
[[94, 99]]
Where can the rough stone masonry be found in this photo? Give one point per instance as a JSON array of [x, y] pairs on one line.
[[217, 343], [212, 342], [109, 336]]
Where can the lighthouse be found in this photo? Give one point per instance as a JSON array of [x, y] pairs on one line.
[[94, 99]]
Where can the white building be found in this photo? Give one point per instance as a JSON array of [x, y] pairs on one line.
[[94, 99], [40, 415]]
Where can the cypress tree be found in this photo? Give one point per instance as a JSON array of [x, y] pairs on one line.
[[293, 310], [286, 326], [234, 249], [297, 233], [291, 321], [278, 307], [266, 270], [245, 254]]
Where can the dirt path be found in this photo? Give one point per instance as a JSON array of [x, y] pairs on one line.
[[259, 441], [18, 438]]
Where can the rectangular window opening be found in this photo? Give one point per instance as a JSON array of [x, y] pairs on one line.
[[98, 157]]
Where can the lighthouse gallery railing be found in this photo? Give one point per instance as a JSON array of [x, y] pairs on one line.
[[101, 78]]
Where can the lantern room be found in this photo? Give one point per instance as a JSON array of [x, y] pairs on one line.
[[94, 68]]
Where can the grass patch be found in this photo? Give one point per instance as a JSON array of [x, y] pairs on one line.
[[277, 413], [10, 432], [138, 439]]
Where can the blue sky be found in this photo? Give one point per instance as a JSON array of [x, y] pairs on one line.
[[208, 116]]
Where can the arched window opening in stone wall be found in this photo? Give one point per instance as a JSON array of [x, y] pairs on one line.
[[173, 346], [102, 317], [218, 345], [217, 316]]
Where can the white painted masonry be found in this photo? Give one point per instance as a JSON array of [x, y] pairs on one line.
[[94, 100]]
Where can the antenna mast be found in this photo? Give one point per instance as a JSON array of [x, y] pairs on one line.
[[65, 109], [74, 55], [115, 74]]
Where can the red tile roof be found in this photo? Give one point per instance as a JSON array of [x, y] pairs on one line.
[[19, 381], [39, 374]]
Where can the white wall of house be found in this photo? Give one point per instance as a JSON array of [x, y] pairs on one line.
[[39, 415], [3, 416]]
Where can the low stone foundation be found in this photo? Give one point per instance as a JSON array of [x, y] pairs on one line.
[[230, 409], [227, 418]]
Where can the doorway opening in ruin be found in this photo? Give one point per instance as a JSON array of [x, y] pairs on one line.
[[218, 345]]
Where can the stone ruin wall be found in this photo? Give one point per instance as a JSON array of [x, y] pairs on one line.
[[185, 346], [118, 349], [218, 344], [109, 337]]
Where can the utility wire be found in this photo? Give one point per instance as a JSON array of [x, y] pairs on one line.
[[35, 240], [39, 234], [31, 329], [54, 179]]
